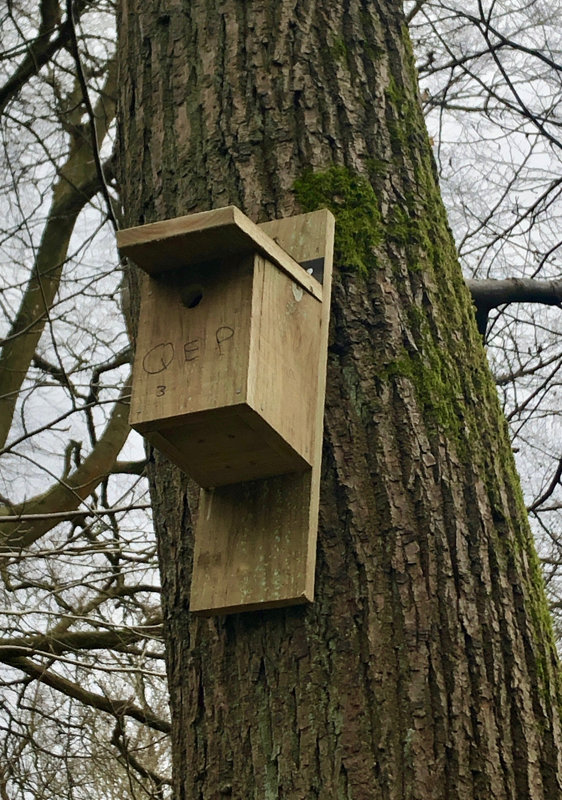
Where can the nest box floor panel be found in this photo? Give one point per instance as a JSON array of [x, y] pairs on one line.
[[225, 446]]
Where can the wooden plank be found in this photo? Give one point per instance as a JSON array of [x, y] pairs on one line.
[[191, 359], [305, 238], [255, 543], [284, 353], [251, 546], [186, 241], [226, 446]]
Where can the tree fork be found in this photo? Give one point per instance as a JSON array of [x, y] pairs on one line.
[[426, 666]]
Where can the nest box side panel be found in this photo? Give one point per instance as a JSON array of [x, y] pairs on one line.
[[255, 543], [284, 356]]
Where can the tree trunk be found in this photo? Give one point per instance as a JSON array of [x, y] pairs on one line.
[[426, 666]]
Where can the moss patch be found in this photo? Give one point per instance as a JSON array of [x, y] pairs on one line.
[[339, 49], [353, 202]]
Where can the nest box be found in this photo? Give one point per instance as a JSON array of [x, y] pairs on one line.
[[229, 383]]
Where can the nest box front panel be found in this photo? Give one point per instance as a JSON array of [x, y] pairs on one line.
[[193, 343]]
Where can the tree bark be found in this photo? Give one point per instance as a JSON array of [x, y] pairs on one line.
[[426, 666]]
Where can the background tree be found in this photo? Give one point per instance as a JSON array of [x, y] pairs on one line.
[[426, 666], [80, 604]]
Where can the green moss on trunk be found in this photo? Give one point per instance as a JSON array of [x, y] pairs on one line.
[[352, 200]]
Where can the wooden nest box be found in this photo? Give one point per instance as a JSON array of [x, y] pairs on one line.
[[229, 383]]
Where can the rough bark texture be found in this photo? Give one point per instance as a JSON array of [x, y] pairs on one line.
[[425, 668]]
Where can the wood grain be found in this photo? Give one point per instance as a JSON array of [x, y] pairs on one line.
[[224, 388]]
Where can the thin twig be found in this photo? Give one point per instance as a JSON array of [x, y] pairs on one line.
[[90, 112]]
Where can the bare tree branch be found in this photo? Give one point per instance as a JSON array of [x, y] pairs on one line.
[[73, 516], [59, 643], [549, 490], [488, 294], [78, 183], [117, 708], [119, 741], [67, 495], [90, 111], [40, 51]]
